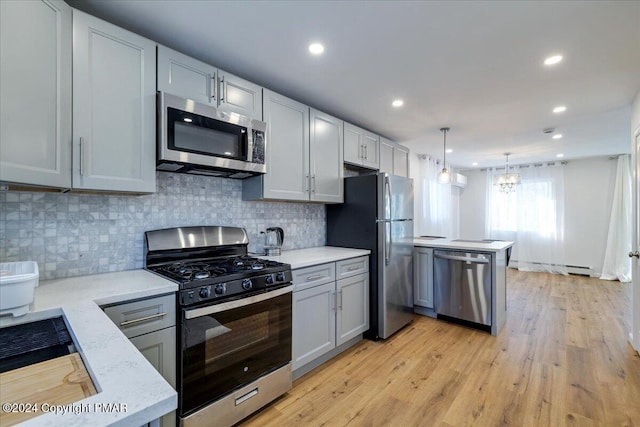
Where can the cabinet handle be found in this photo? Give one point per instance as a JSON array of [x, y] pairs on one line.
[[334, 301], [142, 319], [223, 90], [213, 88], [353, 267], [635, 254], [306, 183], [366, 155], [340, 303], [313, 179], [316, 277], [81, 156], [360, 151]]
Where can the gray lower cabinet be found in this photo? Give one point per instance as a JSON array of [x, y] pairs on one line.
[[35, 93], [114, 107], [423, 277], [150, 325], [328, 313]]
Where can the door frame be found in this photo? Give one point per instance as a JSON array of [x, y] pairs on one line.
[[634, 335]]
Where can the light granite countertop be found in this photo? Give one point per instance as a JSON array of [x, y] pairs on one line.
[[462, 244], [300, 258], [119, 371]]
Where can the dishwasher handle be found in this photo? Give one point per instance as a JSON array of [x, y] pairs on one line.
[[463, 258]]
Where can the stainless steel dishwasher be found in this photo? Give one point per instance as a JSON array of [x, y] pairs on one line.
[[462, 286]]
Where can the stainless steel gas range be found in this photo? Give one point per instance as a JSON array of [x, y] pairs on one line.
[[234, 333]]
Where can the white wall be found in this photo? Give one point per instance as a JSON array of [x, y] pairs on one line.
[[589, 187]]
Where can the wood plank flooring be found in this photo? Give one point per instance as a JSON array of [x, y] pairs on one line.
[[562, 360]]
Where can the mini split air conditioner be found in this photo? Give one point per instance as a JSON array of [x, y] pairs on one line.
[[459, 180]]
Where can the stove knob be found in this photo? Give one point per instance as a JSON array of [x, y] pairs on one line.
[[247, 284], [269, 280], [205, 292], [220, 289], [280, 277]]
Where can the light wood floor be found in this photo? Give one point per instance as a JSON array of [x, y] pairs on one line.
[[561, 360]]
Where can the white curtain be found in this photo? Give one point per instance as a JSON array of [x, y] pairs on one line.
[[436, 218], [532, 216], [617, 264]]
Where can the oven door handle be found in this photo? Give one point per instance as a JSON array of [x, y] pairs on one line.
[[217, 308]]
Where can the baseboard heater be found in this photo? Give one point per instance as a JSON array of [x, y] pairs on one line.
[[576, 270]]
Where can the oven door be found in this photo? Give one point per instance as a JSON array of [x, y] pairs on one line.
[[227, 345]]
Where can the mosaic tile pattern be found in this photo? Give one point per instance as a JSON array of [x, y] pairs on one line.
[[76, 234]]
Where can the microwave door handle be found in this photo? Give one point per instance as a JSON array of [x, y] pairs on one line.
[[225, 306]]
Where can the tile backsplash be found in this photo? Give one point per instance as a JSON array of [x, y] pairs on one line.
[[76, 234]]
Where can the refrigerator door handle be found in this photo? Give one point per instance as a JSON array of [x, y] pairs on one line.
[[387, 243], [387, 189]]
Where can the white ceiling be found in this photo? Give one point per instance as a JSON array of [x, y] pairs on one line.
[[475, 66]]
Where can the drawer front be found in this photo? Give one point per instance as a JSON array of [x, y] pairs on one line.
[[143, 316], [305, 278], [352, 267]]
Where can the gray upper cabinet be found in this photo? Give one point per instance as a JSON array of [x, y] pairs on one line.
[[239, 95], [287, 153], [35, 93], [325, 154], [360, 147], [401, 161], [114, 108], [304, 154], [394, 158], [386, 155], [184, 76], [187, 77]]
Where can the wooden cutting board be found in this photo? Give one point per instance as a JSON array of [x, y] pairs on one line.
[[58, 381]]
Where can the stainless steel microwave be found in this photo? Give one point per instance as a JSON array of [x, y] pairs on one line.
[[200, 139]]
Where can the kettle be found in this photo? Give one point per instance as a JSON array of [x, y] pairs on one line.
[[273, 239]]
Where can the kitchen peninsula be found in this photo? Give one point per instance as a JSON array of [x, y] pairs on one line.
[[428, 279]]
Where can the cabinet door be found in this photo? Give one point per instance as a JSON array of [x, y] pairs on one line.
[[370, 143], [325, 154], [353, 145], [386, 156], [314, 323], [423, 277], [287, 140], [352, 317], [401, 161], [35, 92], [239, 95], [186, 77], [114, 140], [159, 348]]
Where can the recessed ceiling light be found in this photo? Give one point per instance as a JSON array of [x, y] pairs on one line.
[[552, 60], [449, 150], [560, 109], [560, 155], [187, 119], [397, 103], [316, 48], [557, 136], [474, 164]]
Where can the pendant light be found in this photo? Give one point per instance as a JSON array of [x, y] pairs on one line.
[[445, 176], [507, 181]]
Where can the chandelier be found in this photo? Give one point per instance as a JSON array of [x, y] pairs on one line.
[[507, 181]]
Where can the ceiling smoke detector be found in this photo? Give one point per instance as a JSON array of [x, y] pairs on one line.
[[549, 130]]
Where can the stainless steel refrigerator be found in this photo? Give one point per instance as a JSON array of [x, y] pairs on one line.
[[377, 214]]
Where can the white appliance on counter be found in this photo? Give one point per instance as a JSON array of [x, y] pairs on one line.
[[17, 282]]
